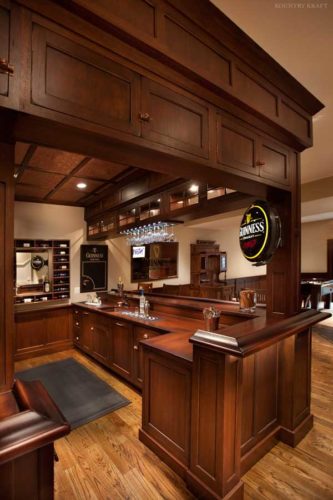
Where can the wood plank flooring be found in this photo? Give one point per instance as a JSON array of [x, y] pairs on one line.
[[105, 460]]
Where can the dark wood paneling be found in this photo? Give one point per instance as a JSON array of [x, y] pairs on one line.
[[186, 45], [302, 387], [276, 162], [42, 332], [139, 15], [255, 93], [4, 48], [174, 119], [6, 264], [58, 326], [121, 353], [236, 145], [139, 333], [101, 338], [215, 426], [85, 77], [166, 411]]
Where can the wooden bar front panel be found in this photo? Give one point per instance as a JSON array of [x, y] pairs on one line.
[[6, 264], [167, 406]]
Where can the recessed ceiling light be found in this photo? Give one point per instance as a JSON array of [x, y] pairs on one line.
[[194, 188], [81, 185], [159, 199]]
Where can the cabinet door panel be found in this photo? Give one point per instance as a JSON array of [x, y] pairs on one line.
[[174, 120], [70, 79], [237, 146], [57, 325], [139, 333], [11, 51], [30, 331], [275, 159], [101, 339], [86, 331], [4, 49], [121, 350]]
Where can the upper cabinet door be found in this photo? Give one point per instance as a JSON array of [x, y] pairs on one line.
[[80, 83], [236, 145], [173, 119], [274, 162], [9, 55]]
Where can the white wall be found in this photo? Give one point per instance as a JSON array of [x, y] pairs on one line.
[[238, 266], [43, 221], [314, 245]]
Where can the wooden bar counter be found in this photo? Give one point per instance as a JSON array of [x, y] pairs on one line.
[[211, 412]]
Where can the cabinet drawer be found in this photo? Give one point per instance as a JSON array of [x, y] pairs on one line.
[[69, 78]]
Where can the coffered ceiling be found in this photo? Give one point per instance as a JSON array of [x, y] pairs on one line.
[[52, 176]]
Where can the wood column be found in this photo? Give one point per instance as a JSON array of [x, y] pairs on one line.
[[6, 264], [283, 273], [215, 427], [295, 387]]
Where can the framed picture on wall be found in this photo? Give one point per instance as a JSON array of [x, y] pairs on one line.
[[93, 268]]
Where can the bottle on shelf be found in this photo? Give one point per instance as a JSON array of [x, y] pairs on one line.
[[142, 301], [120, 286], [47, 285]]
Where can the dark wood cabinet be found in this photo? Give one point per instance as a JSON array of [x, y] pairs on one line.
[[139, 333], [173, 119], [207, 262], [115, 344], [86, 331], [240, 147], [101, 334], [121, 349], [236, 145], [9, 56], [85, 76], [274, 162], [43, 331]]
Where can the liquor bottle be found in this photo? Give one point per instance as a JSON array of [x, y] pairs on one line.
[[142, 301], [47, 285]]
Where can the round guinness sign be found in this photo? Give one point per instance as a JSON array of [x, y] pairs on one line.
[[259, 233]]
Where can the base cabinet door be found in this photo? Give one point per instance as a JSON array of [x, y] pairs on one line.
[[86, 331], [121, 354], [139, 333], [101, 328]]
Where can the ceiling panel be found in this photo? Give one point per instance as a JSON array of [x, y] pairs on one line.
[[71, 183], [100, 169], [45, 180], [53, 160], [29, 191], [66, 196]]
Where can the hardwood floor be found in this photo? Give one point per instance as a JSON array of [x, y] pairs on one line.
[[105, 460]]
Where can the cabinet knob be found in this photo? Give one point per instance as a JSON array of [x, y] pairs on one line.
[[146, 336], [6, 68], [92, 328], [136, 348], [260, 163], [76, 323], [120, 324], [145, 117], [77, 338]]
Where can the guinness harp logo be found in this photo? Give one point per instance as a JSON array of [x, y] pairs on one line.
[[259, 233]]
